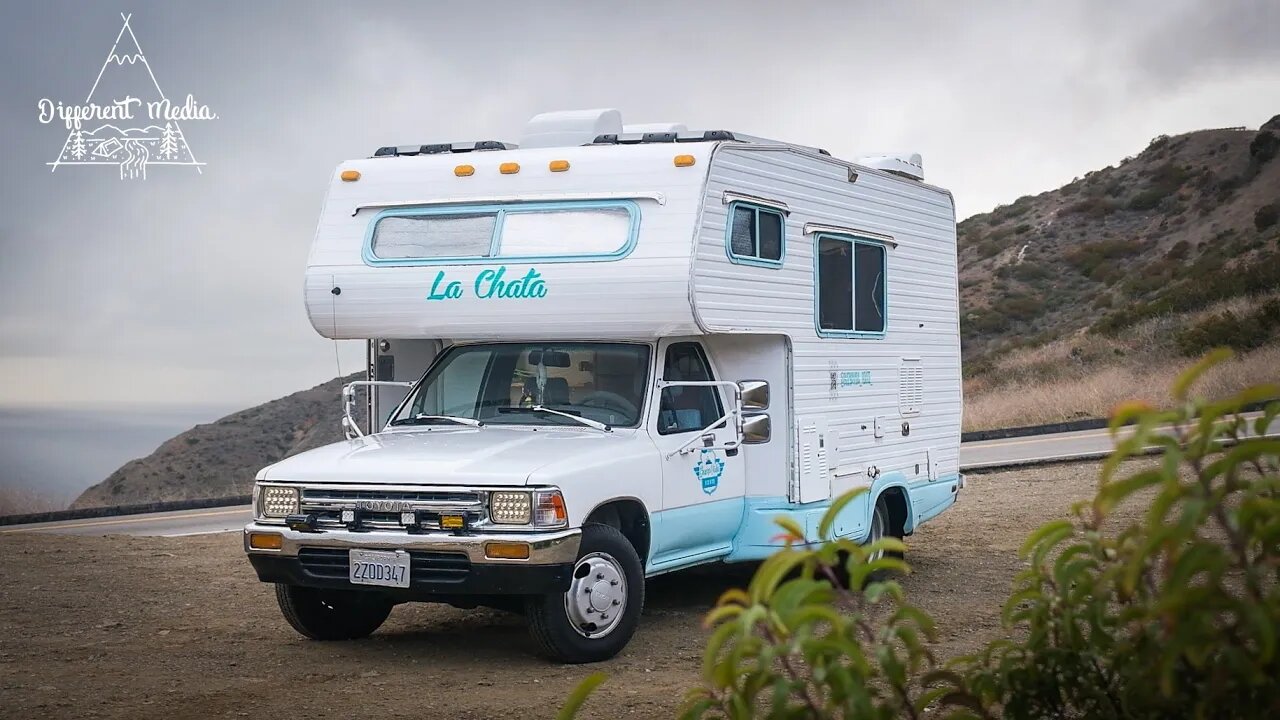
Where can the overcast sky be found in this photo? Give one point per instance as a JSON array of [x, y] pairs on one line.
[[185, 289]]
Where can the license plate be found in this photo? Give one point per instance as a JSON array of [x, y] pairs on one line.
[[388, 568]]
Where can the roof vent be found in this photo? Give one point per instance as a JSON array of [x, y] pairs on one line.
[[908, 165], [569, 128]]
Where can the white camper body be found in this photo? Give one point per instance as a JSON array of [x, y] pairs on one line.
[[805, 308]]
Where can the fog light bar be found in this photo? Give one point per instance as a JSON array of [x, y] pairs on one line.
[[350, 517], [301, 523], [266, 541], [506, 550], [453, 522]]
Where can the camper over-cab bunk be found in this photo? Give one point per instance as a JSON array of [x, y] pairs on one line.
[[607, 353]]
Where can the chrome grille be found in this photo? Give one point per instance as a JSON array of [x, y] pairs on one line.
[[380, 509]]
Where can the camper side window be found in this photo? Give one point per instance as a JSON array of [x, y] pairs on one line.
[[685, 409], [755, 235], [850, 286], [562, 231]]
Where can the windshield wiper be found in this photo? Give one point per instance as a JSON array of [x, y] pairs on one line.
[[542, 408], [423, 419]]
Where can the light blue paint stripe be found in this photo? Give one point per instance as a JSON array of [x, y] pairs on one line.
[[680, 538], [755, 540], [633, 210]]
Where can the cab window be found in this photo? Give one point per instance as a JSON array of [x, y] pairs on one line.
[[686, 409]]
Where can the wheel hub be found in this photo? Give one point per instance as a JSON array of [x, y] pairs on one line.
[[597, 597]]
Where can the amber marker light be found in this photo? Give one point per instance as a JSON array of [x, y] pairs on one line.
[[464, 171], [506, 551], [684, 160], [350, 175], [558, 165], [266, 541], [509, 168]]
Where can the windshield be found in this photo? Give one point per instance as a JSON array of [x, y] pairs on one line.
[[504, 383]]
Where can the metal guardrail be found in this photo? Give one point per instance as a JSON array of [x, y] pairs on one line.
[[1062, 427], [135, 509]]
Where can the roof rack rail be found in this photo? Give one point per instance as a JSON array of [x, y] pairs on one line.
[[662, 137], [442, 148]]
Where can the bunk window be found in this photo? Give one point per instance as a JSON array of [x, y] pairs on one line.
[[755, 235], [850, 286], [578, 231], [434, 236]]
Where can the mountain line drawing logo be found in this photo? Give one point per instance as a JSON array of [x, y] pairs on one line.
[[139, 125]]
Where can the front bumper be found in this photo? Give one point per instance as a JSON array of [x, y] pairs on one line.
[[441, 564]]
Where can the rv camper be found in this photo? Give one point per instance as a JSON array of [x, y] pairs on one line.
[[608, 353]]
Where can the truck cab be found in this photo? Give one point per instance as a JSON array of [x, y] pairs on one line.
[[605, 355]]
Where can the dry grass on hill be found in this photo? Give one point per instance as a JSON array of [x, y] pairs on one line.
[[1085, 376]]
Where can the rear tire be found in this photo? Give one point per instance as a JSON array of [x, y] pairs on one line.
[[332, 614], [597, 616], [882, 527]]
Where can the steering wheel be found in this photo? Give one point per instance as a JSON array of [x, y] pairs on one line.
[[608, 400]]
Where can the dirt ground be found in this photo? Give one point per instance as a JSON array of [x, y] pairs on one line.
[[121, 627]]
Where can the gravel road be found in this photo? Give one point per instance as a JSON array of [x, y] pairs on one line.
[[120, 627]]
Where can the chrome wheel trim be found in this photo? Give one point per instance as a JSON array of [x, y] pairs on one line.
[[597, 597], [877, 532]]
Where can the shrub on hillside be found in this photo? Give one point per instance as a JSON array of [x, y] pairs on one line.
[[1022, 307], [1091, 207], [1265, 146], [1227, 329], [1148, 199], [1092, 257], [1267, 216], [1171, 615], [1207, 281]]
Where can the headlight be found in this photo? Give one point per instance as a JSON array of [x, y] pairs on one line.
[[510, 508], [278, 502]]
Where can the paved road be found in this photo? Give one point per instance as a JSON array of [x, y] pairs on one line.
[[973, 456], [171, 524]]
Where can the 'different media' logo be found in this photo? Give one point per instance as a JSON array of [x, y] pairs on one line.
[[134, 125]]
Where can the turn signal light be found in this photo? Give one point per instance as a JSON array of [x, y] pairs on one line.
[[266, 541], [558, 165], [684, 160], [506, 551], [464, 171], [509, 168], [350, 175]]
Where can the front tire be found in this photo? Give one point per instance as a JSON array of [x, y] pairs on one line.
[[332, 614], [597, 616]]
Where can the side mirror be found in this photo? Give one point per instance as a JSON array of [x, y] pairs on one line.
[[756, 429], [755, 394]]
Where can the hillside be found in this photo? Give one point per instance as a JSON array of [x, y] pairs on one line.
[[222, 457], [1071, 300], [1189, 221], [1106, 288]]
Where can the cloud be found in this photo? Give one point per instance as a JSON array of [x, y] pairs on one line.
[[186, 288]]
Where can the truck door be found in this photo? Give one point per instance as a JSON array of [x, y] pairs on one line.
[[702, 485]]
